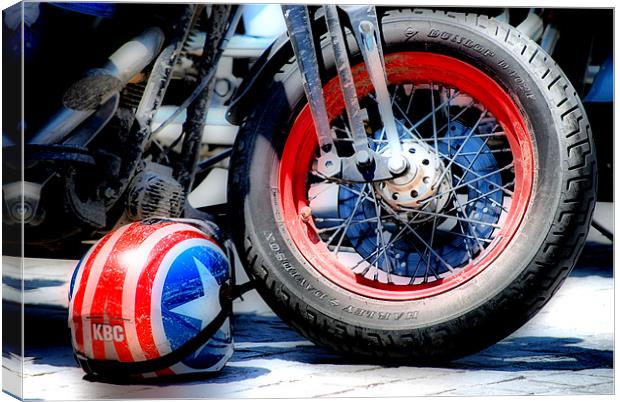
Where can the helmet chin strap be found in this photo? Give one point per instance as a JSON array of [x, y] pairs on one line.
[[113, 368]]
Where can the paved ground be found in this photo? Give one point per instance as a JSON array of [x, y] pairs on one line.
[[567, 349]]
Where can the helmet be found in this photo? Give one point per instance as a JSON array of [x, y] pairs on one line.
[[152, 299]]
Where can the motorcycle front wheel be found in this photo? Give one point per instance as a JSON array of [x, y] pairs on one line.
[[470, 244]]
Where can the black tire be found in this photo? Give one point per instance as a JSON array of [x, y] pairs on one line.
[[494, 303]]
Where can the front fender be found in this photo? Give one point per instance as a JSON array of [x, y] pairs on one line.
[[260, 74]]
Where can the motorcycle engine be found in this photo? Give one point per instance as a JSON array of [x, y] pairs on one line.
[[154, 193]]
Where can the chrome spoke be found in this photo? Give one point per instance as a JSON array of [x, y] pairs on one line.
[[415, 272], [475, 158], [413, 127], [419, 137], [470, 255], [354, 191], [451, 161], [338, 227], [448, 125], [485, 195], [410, 100], [348, 223], [464, 235], [491, 200], [378, 251], [469, 182], [431, 113], [380, 236], [486, 180], [408, 226], [469, 252], [428, 260], [434, 119], [471, 163], [434, 123], [462, 137], [490, 151], [464, 219], [463, 214], [478, 176]]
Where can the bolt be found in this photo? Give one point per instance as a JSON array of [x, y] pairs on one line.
[[397, 164], [366, 29], [366, 26], [109, 192], [22, 211], [362, 158], [305, 213]]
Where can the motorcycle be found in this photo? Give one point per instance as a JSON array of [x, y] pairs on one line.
[[404, 184]]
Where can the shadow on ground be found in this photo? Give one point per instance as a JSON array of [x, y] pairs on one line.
[[595, 260], [513, 354], [229, 374], [531, 353]]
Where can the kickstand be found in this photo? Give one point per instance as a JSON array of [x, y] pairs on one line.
[[602, 230]]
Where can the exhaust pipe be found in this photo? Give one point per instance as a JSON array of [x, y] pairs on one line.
[[85, 96]]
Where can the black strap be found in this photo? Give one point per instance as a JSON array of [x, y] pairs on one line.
[[113, 368], [117, 368]]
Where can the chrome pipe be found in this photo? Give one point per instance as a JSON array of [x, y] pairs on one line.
[[122, 65]]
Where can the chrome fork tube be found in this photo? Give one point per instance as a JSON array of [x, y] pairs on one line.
[[300, 33], [366, 29], [365, 165], [347, 85]]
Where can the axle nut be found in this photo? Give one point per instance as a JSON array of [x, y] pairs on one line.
[[397, 164]]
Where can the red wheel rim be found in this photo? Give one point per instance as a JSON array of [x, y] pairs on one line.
[[405, 67]]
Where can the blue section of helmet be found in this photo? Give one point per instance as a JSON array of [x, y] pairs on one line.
[[97, 9], [73, 277], [184, 284]]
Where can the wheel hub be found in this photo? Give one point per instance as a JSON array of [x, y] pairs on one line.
[[420, 181]]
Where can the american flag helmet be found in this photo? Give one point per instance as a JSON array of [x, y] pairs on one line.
[[152, 299]]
